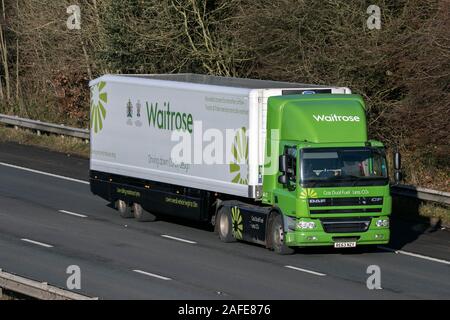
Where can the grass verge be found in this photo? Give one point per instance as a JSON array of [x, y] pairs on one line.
[[426, 212], [52, 142], [438, 213]]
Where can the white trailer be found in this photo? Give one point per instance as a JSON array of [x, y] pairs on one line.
[[139, 122]]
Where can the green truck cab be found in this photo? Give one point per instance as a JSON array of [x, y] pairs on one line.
[[330, 185]]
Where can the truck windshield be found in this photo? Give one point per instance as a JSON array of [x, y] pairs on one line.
[[343, 166]]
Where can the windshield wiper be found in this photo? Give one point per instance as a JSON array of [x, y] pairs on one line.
[[313, 182], [352, 178], [346, 177]]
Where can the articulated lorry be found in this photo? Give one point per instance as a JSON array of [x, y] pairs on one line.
[[279, 164]]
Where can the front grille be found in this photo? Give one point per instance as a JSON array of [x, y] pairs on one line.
[[348, 225], [331, 211], [335, 202]]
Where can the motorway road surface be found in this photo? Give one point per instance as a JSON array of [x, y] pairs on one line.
[[48, 223]]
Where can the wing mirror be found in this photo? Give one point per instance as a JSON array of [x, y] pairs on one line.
[[283, 163], [283, 168]]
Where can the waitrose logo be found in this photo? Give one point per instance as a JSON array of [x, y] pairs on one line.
[[166, 119], [336, 118]]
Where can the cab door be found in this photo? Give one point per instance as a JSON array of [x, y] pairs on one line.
[[285, 193]]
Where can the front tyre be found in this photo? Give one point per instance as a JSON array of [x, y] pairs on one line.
[[224, 225], [276, 234]]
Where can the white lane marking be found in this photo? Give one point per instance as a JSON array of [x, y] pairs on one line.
[[178, 239], [307, 271], [43, 173], [72, 214], [416, 255], [151, 275], [37, 243]]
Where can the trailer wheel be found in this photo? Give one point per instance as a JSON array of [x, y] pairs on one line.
[[276, 234], [124, 209], [141, 215], [224, 226]]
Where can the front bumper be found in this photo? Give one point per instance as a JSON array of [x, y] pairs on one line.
[[373, 236]]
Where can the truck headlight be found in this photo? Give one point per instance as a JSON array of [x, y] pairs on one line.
[[382, 223], [306, 225]]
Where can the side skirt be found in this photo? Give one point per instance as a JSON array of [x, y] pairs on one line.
[[154, 197], [249, 222]]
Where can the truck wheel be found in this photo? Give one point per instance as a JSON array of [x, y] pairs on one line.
[[224, 226], [141, 215], [124, 209], [277, 236]]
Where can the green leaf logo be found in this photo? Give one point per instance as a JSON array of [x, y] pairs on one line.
[[239, 151], [237, 223], [99, 99], [308, 193]]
